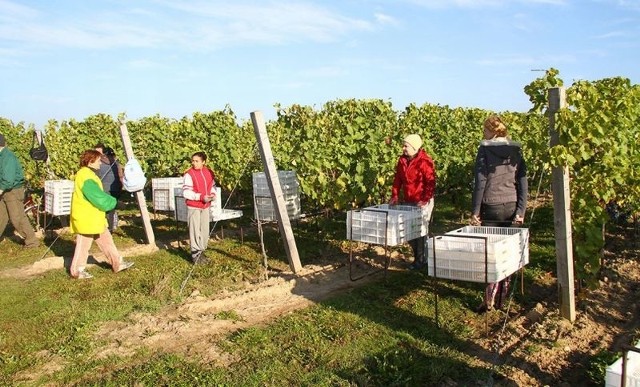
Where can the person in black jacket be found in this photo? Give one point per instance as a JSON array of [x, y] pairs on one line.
[[111, 174], [500, 192]]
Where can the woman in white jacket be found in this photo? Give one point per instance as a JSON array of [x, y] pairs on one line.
[[198, 190]]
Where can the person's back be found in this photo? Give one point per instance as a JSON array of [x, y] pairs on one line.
[[501, 164], [109, 174], [11, 172], [499, 197]]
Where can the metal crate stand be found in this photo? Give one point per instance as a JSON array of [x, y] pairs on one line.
[[477, 254], [216, 212], [386, 225]]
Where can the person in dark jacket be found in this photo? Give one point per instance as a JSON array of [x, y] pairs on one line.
[[12, 196], [111, 174], [415, 178], [500, 192]]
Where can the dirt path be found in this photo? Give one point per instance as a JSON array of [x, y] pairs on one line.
[[58, 263], [193, 327]]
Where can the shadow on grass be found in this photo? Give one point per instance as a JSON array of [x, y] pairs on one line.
[[423, 352]]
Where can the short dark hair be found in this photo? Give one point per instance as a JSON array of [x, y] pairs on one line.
[[202, 155]]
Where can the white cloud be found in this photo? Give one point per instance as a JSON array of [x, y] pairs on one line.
[[382, 18], [480, 3], [324, 72], [632, 4], [545, 61], [505, 60], [456, 3], [275, 22], [435, 59], [202, 25], [552, 2], [612, 34], [143, 64], [10, 9]]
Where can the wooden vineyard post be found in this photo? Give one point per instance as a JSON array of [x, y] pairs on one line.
[[562, 215], [142, 203], [277, 196]]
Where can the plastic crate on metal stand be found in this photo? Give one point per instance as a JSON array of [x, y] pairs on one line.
[[386, 225]]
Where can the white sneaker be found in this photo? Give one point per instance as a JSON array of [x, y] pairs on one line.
[[124, 265], [83, 275]]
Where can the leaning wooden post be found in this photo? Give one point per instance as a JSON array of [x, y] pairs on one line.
[[562, 214], [277, 196], [142, 203]]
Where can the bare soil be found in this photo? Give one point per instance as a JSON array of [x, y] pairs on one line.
[[533, 345]]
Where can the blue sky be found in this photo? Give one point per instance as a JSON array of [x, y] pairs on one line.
[[68, 59]]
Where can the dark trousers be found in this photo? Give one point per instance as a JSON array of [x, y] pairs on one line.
[[112, 216], [419, 248], [498, 215]]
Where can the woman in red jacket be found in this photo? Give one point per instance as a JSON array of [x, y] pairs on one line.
[[416, 179]]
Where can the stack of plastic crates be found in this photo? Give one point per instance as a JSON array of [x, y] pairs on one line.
[[613, 375], [460, 254], [163, 189], [264, 208], [388, 225], [57, 197]]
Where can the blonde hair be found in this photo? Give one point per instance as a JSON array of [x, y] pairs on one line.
[[495, 125]]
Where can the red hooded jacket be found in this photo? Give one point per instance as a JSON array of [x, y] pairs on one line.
[[416, 177]]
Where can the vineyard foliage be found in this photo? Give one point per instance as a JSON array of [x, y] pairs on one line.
[[600, 137], [345, 153]]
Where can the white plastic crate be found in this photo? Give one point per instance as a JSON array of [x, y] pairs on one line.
[[181, 213], [163, 189], [523, 234], [265, 211], [425, 216], [227, 214], [384, 224], [57, 197], [288, 183], [264, 208], [216, 203], [216, 211], [613, 375], [460, 254]]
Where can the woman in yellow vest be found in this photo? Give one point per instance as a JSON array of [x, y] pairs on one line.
[[88, 206]]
